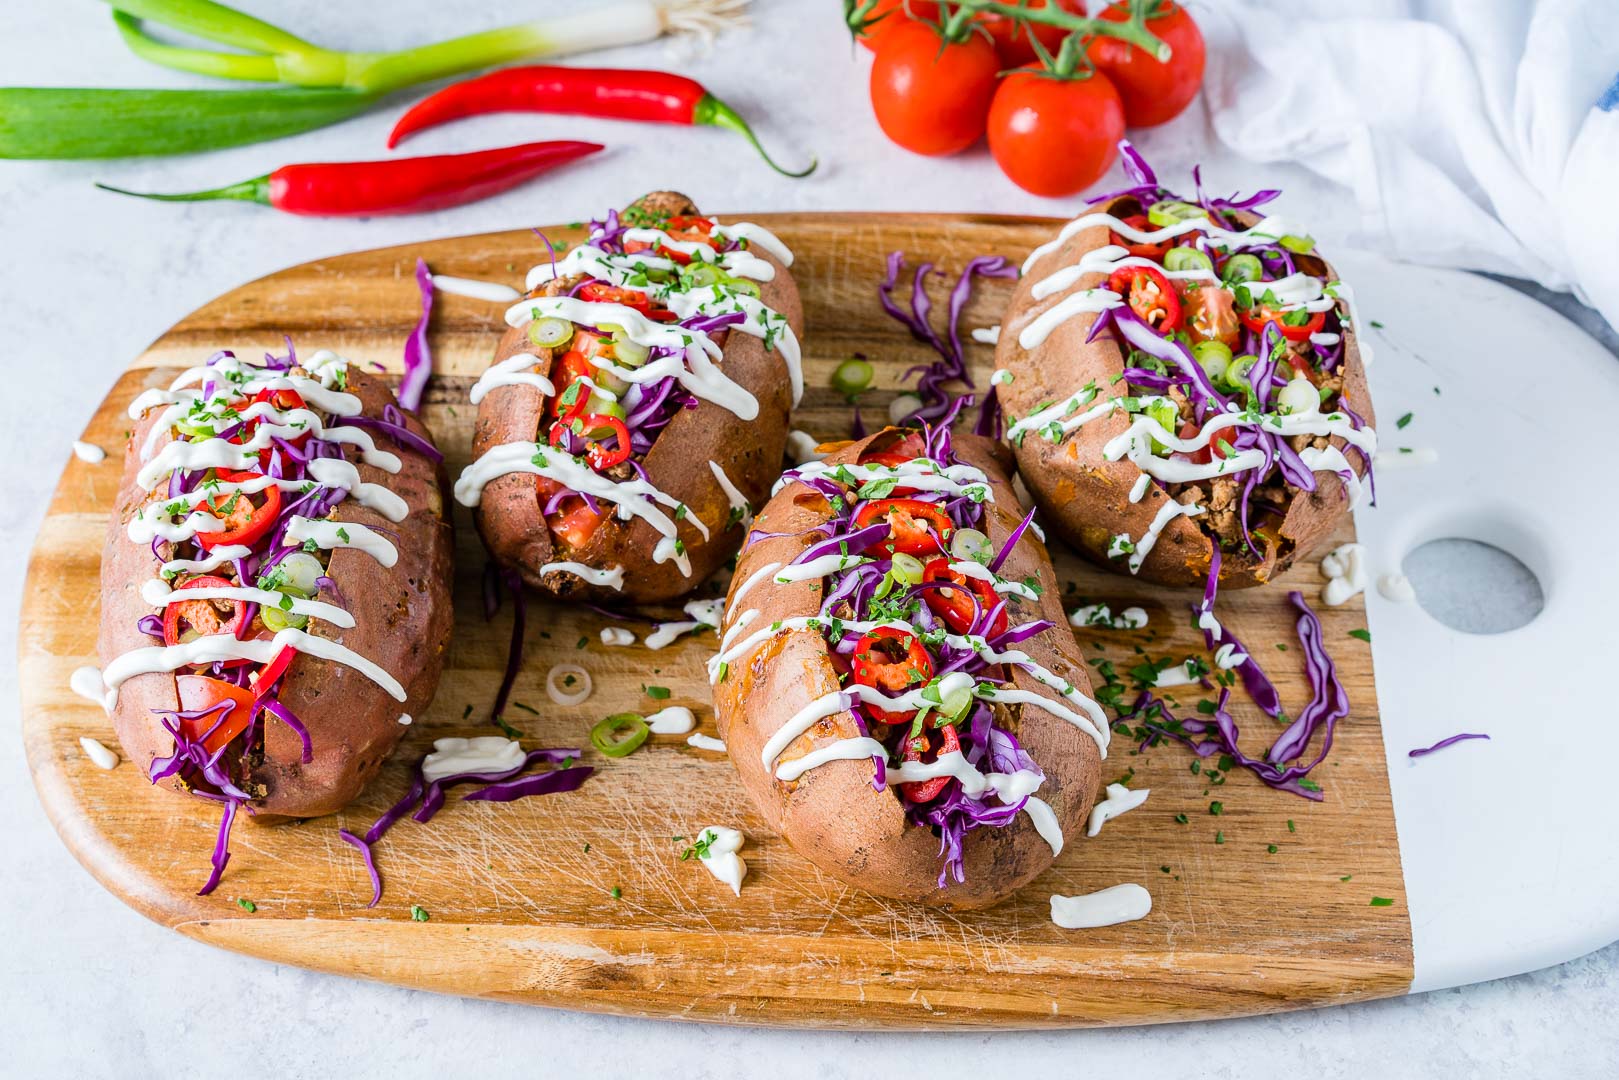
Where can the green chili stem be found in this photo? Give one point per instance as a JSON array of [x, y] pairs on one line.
[[72, 123], [256, 190], [712, 111]]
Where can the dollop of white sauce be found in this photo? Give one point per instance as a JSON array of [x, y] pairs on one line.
[[1120, 904], [405, 719], [1345, 570], [1180, 675], [673, 720], [492, 291], [1396, 587], [99, 754], [987, 335], [1131, 618], [801, 447], [617, 635], [88, 452], [1120, 800], [86, 682], [721, 859], [705, 742], [485, 753]]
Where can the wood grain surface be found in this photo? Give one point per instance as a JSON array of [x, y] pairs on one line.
[[520, 896]]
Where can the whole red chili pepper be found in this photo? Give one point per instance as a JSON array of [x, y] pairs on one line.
[[400, 186], [655, 97]]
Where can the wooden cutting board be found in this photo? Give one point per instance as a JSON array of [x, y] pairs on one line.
[[520, 896]]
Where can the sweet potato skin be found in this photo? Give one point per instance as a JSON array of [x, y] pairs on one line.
[[832, 815], [402, 622], [1085, 498], [511, 519]]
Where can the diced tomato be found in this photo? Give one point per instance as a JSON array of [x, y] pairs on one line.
[[201, 692], [955, 606], [1220, 445], [1210, 313], [926, 747], [915, 527], [686, 229]]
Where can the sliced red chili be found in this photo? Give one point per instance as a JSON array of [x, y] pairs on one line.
[[1150, 296], [893, 661], [269, 673], [926, 746], [955, 606], [244, 523], [187, 619], [1144, 251], [1257, 316], [680, 227], [915, 527], [599, 293]]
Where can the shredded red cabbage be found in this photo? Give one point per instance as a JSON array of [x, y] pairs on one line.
[[370, 863], [418, 355], [1442, 743]]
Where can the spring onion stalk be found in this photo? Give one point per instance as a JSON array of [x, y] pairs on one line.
[[50, 122], [276, 55]]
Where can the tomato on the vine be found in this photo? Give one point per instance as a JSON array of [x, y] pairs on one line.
[[1012, 41], [1055, 136], [931, 96], [1153, 91], [886, 15]]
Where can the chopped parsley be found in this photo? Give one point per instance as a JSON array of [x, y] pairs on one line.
[[419, 913]]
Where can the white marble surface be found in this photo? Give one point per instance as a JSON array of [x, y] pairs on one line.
[[88, 988]]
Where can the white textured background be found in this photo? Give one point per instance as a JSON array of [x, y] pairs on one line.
[[88, 988]]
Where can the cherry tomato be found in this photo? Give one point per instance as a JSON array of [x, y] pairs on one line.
[[893, 661], [1153, 91], [1150, 296], [1220, 445], [925, 747], [909, 448], [244, 522], [201, 692], [1257, 316], [574, 521], [1012, 41], [915, 527], [954, 606], [930, 97], [184, 620], [681, 227], [1210, 314], [886, 15], [1054, 136], [1144, 251]]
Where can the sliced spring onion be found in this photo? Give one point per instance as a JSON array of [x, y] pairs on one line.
[[629, 353], [1236, 375], [1240, 268], [560, 690], [1187, 258], [610, 736], [1168, 416], [971, 544], [1299, 396], [276, 620], [549, 333], [1299, 245], [907, 569], [1214, 356], [1169, 212], [852, 377], [301, 573]]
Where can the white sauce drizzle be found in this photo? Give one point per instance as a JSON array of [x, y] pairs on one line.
[[86, 682], [159, 594], [705, 742], [211, 647], [1120, 904], [1166, 513], [752, 580], [1120, 800], [217, 557], [331, 535], [802, 447], [733, 494], [610, 577], [512, 371]]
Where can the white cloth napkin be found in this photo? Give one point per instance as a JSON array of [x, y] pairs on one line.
[[1481, 134]]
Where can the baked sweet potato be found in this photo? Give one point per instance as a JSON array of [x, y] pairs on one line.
[[1265, 495], [336, 572], [706, 435], [980, 642]]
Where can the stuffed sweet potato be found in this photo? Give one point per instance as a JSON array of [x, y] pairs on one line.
[[636, 410], [275, 583], [1180, 377], [895, 682]]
